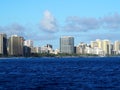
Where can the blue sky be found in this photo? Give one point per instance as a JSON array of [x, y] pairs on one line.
[[45, 21]]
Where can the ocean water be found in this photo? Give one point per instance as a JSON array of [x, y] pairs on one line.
[[94, 73]]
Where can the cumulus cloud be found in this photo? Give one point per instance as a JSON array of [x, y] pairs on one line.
[[13, 29], [49, 23]]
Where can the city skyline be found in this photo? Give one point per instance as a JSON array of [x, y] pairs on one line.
[[46, 21], [18, 46]]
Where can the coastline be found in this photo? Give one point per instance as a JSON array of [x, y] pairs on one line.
[[59, 57]]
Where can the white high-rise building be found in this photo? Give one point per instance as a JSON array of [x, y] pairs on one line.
[[99, 43], [107, 47], [117, 47], [94, 44], [101, 47], [28, 43]]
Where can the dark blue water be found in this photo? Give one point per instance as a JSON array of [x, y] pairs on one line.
[[60, 74]]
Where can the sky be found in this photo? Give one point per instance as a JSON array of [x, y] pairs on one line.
[[45, 21]]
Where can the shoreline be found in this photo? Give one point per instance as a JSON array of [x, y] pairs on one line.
[[59, 57]]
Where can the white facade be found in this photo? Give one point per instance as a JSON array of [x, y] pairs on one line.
[[37, 49], [28, 43], [89, 50], [80, 49], [56, 51], [106, 47], [117, 47], [44, 49], [98, 51], [101, 47]]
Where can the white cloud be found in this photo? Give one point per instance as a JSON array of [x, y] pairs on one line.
[[48, 23], [13, 29], [110, 36], [111, 21], [75, 23]]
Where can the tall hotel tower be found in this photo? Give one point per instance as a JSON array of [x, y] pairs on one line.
[[16, 45], [106, 47], [67, 44], [3, 44], [117, 47]]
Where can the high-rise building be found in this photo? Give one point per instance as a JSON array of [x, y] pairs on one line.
[[3, 44], [28, 43], [67, 44], [106, 47], [94, 44], [80, 49], [117, 47], [16, 45], [99, 43], [26, 51]]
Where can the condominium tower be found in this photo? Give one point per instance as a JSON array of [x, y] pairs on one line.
[[3, 44], [16, 45], [67, 44], [117, 47], [106, 47]]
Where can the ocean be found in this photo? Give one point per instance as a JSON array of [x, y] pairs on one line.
[[76, 73]]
